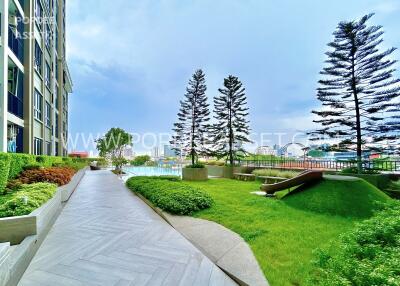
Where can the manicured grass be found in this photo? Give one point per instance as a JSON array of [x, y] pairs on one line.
[[343, 198], [283, 233]]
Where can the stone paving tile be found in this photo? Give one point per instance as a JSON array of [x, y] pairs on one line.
[[107, 236]]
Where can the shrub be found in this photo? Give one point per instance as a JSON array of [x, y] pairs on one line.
[[4, 171], [170, 194], [275, 173], [56, 175], [141, 160], [369, 255], [354, 170], [26, 199], [18, 162], [196, 166]]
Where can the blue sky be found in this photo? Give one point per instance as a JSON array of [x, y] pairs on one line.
[[131, 60]]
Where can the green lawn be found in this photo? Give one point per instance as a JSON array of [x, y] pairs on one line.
[[284, 233]]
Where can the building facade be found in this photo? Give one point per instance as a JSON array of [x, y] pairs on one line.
[[34, 79]]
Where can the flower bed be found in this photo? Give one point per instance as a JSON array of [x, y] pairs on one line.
[[170, 194]]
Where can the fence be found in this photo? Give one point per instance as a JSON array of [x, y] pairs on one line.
[[285, 163]]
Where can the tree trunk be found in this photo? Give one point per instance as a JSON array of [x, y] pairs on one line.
[[357, 108]]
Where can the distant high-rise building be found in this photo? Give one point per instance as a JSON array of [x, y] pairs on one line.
[[156, 153], [34, 77]]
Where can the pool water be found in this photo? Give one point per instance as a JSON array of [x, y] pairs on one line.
[[152, 171]]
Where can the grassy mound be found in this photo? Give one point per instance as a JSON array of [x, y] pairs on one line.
[[351, 198], [170, 194]]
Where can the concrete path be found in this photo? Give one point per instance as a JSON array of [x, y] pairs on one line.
[[224, 247], [107, 236]]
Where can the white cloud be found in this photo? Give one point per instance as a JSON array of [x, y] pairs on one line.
[[388, 7]]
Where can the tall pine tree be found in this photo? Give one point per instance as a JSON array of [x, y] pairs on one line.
[[232, 127], [193, 117], [359, 95]]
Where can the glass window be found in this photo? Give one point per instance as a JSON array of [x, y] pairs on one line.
[[47, 36], [38, 106], [38, 58], [37, 146], [47, 75], [57, 126], [57, 153], [38, 11], [48, 115], [48, 148], [56, 98]]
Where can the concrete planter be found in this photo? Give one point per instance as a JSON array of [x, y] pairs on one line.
[[215, 171], [195, 174], [227, 171], [381, 181], [29, 232]]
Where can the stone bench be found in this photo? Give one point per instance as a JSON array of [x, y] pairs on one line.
[[244, 177]]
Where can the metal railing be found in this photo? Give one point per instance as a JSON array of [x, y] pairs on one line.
[[286, 163]]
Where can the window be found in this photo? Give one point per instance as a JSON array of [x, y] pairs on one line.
[[38, 58], [47, 115], [56, 98], [37, 146], [38, 11], [38, 106], [47, 37], [57, 153], [57, 126], [47, 75], [48, 148]]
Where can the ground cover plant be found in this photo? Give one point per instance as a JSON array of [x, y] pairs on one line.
[[367, 255], [25, 199], [284, 233], [57, 175], [276, 173], [170, 194]]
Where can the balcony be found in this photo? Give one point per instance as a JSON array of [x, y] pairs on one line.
[[16, 45], [15, 105]]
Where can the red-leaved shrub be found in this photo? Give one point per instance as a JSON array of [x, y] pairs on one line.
[[56, 175]]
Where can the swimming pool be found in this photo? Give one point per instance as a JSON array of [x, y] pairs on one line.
[[152, 171]]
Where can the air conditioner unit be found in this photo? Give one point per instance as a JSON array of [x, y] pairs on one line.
[[13, 20]]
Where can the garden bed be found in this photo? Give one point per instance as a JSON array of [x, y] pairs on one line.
[[28, 232], [170, 194]]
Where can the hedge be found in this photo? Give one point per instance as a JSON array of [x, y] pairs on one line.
[[18, 162], [4, 171], [170, 194], [26, 199], [368, 255]]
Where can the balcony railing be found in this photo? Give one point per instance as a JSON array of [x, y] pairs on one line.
[[22, 3], [16, 45], [15, 105]]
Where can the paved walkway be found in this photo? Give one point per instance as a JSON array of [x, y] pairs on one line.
[[107, 236]]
